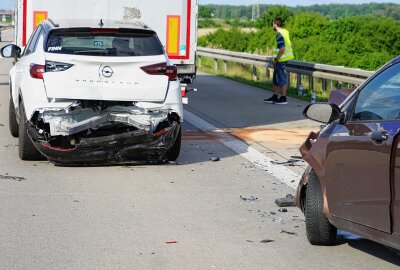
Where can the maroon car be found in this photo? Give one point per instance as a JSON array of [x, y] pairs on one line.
[[353, 179]]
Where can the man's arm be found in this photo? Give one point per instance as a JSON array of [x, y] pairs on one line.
[[281, 46], [280, 53]]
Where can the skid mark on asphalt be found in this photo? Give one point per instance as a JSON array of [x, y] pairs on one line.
[[261, 161]]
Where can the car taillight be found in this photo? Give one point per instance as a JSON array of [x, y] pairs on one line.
[[37, 71], [162, 69], [53, 66]]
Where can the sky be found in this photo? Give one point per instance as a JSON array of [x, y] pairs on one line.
[[7, 4]]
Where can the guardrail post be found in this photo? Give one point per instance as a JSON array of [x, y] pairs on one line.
[[311, 83], [199, 57], [225, 67], [288, 79], [338, 85], [324, 84], [254, 73], [216, 64], [268, 74], [298, 80]]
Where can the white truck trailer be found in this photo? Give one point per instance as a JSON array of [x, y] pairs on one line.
[[175, 22]]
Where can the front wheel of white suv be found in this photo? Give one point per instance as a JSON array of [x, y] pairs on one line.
[[12, 119], [27, 151]]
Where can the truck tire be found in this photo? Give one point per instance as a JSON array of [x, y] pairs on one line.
[[26, 149], [318, 228], [173, 153], [12, 119]]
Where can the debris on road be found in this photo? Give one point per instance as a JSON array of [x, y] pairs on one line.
[[265, 241], [171, 242], [272, 213], [278, 220], [282, 210], [214, 159], [287, 232], [290, 162], [285, 202], [248, 199], [14, 178]]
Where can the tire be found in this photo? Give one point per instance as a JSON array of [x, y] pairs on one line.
[[173, 153], [318, 228], [12, 119], [27, 151]]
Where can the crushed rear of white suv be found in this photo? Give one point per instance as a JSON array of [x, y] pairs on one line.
[[90, 94]]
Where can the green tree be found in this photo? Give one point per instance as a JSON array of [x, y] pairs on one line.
[[205, 12], [267, 17]]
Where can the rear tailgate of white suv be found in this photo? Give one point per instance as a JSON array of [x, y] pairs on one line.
[[105, 64]]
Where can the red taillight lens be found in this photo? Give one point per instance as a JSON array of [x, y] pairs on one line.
[[162, 69], [37, 71]]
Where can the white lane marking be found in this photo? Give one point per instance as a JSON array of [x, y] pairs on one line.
[[261, 161]]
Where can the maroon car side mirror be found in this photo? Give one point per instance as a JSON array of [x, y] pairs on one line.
[[322, 112]]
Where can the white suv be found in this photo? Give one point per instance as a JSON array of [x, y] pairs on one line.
[[89, 94]]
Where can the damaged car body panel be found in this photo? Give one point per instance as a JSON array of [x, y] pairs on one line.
[[89, 132], [354, 157]]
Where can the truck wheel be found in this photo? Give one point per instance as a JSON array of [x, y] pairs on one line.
[[175, 150], [12, 119], [27, 151], [318, 228]]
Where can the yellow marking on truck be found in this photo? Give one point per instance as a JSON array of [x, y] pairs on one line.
[[173, 34], [38, 17]]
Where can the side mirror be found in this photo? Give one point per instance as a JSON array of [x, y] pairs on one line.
[[322, 112], [10, 51]]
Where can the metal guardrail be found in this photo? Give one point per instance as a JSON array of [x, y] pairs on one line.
[[312, 70]]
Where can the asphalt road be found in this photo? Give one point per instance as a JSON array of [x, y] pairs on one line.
[[187, 215]]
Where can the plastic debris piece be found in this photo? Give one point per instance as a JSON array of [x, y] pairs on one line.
[[287, 232], [214, 159], [265, 241], [248, 199], [171, 242], [14, 178], [282, 210], [290, 162], [285, 202]]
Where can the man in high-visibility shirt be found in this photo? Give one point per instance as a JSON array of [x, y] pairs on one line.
[[283, 52]]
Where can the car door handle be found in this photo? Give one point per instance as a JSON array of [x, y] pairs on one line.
[[380, 136]]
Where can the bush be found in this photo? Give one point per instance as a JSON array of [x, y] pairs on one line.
[[365, 42]]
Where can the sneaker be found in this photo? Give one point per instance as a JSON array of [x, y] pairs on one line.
[[272, 99], [281, 101]]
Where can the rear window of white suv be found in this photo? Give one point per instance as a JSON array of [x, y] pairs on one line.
[[104, 42]]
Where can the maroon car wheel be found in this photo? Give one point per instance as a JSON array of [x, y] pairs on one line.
[[319, 230]]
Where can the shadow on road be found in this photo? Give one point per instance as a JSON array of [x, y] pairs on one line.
[[372, 248]]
